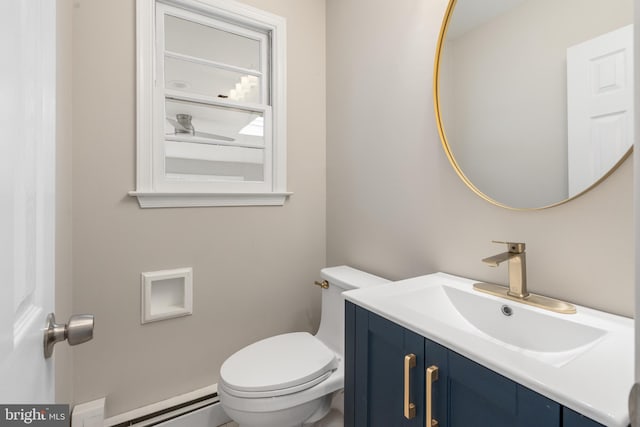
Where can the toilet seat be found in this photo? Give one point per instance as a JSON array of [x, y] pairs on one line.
[[277, 366]]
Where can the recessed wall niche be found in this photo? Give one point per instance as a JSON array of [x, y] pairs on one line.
[[167, 294]]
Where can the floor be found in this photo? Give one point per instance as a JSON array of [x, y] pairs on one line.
[[231, 424]]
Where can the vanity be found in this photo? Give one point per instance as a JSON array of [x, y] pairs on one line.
[[432, 351]]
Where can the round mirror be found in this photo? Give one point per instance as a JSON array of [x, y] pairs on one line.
[[534, 98]]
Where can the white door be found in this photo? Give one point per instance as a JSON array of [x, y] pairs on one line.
[[634, 397], [27, 184], [600, 106]]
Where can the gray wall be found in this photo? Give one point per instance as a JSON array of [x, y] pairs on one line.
[[63, 300], [396, 207], [253, 266]]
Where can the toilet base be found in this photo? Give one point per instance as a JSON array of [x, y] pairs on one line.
[[302, 415], [334, 418]]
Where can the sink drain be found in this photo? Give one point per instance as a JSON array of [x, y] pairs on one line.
[[506, 310]]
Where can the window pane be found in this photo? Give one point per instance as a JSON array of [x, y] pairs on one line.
[[211, 81], [213, 143], [201, 41], [204, 162], [214, 124]]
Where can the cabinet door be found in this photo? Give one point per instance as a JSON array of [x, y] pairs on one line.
[[375, 352], [436, 395], [480, 397], [573, 419]]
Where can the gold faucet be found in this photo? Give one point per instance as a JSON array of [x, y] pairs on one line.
[[517, 290], [517, 268]]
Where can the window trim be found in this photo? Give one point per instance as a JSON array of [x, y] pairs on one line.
[[149, 191]]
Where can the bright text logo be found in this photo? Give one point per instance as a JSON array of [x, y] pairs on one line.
[[34, 415]]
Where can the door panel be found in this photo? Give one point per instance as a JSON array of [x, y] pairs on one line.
[[438, 356], [27, 185], [573, 419], [480, 397], [379, 355], [599, 106]]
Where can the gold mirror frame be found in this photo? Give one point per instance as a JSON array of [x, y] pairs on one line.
[[447, 148]]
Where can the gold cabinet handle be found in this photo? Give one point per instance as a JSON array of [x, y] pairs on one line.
[[409, 408], [324, 284], [432, 376]]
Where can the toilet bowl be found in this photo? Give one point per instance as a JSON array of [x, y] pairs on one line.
[[289, 380]]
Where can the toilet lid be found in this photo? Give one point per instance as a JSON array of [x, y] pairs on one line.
[[279, 362]]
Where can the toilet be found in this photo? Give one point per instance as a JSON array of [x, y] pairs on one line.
[[291, 380]]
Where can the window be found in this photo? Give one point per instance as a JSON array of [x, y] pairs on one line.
[[211, 104]]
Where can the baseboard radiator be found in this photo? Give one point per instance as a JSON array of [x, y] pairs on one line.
[[172, 415], [200, 408]]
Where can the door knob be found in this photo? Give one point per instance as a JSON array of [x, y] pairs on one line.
[[79, 329]]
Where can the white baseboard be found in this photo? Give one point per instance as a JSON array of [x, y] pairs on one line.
[[90, 414]]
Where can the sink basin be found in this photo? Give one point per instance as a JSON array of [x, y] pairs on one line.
[[547, 337], [583, 361]]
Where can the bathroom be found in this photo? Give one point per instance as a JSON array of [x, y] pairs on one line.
[[372, 189]]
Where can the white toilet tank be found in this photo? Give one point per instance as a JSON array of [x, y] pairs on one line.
[[342, 278]]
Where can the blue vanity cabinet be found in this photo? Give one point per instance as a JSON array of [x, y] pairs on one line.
[[465, 394], [377, 354]]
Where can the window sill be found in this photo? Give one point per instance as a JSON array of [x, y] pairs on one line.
[[192, 200]]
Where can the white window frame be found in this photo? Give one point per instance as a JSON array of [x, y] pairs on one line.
[[153, 189]]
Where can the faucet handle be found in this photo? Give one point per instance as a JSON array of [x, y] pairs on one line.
[[514, 247]]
